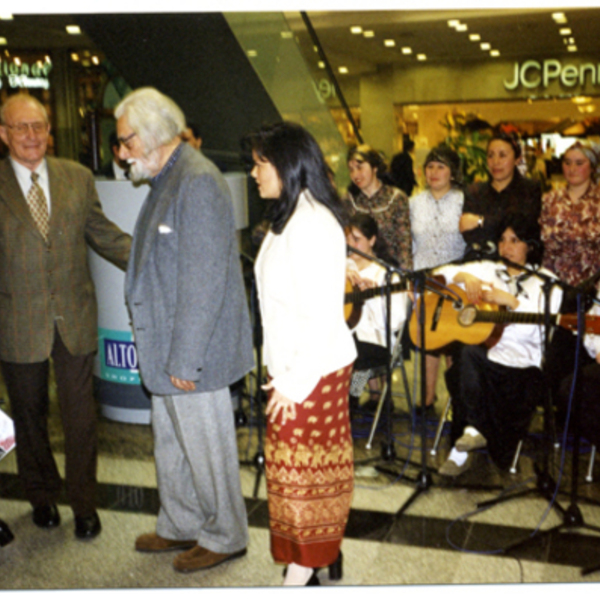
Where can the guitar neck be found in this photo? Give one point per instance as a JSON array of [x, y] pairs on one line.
[[504, 316], [361, 296]]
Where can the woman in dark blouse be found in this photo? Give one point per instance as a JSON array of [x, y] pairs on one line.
[[487, 203]]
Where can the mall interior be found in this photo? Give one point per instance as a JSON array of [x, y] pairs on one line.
[[377, 77]]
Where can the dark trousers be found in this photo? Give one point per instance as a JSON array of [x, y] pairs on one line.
[[495, 399], [27, 386]]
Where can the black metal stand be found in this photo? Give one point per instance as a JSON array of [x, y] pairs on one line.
[[388, 448], [572, 516], [257, 398], [545, 485], [424, 479]]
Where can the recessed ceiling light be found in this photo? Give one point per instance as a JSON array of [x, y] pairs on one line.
[[343, 70], [565, 31], [485, 46], [17, 61], [406, 50], [581, 99], [571, 40], [252, 53], [461, 27], [453, 22], [73, 29], [321, 64], [75, 56], [356, 30], [3, 41], [559, 17], [287, 35], [389, 43], [95, 60], [572, 48], [494, 52], [369, 33], [474, 37], [421, 56], [6, 17]]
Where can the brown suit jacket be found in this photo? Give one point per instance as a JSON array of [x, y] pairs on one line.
[[47, 284]]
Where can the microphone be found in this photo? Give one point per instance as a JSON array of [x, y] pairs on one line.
[[488, 247]]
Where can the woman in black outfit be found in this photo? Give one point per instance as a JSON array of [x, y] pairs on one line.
[[487, 203]]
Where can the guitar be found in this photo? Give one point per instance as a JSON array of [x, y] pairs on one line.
[[355, 298], [453, 318]]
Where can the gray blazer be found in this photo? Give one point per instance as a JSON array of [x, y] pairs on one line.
[[184, 286]]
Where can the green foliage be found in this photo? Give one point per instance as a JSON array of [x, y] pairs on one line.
[[469, 140]]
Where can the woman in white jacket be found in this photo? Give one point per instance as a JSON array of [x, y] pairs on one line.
[[308, 352]]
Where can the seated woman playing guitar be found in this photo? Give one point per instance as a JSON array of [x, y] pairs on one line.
[[368, 318], [495, 390]]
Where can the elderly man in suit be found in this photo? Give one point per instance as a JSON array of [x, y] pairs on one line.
[[185, 293], [49, 212]]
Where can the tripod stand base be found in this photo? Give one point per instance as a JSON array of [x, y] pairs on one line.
[[424, 482]]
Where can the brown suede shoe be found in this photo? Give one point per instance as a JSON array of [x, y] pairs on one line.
[[152, 542], [200, 558]]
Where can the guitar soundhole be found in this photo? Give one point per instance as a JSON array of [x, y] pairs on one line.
[[466, 317]]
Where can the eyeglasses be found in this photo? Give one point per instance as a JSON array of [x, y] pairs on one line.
[[125, 141], [23, 128]]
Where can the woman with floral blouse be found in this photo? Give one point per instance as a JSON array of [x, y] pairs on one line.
[[368, 194], [570, 222]]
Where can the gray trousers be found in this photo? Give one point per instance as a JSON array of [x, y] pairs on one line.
[[197, 470]]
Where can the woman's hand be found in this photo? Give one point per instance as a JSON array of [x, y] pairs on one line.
[[363, 284], [278, 403], [500, 297], [473, 286], [468, 221]]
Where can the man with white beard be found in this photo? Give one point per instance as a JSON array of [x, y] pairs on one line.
[[186, 297]]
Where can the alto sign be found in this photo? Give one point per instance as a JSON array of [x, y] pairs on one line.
[[533, 74]]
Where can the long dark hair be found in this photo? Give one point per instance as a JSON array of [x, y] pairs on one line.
[[367, 225], [300, 165]]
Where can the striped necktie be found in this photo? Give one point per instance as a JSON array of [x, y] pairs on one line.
[[38, 205]]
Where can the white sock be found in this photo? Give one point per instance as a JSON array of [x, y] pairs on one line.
[[458, 457], [297, 574], [471, 430]]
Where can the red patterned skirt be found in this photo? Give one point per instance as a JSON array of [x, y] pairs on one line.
[[310, 476]]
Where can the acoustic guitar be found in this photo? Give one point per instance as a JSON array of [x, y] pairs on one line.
[[354, 299], [452, 318]]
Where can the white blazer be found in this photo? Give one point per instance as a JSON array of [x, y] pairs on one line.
[[301, 277]]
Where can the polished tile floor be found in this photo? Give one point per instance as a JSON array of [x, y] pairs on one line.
[[408, 526]]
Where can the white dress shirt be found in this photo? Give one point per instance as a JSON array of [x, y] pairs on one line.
[[371, 326], [301, 275], [520, 346], [24, 178]]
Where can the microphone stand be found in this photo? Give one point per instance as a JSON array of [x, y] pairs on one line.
[[572, 516], [420, 283], [259, 458], [545, 484], [388, 449]]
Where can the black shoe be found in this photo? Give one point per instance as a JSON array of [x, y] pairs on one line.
[[6, 535], [314, 580], [87, 528], [335, 569], [46, 516]]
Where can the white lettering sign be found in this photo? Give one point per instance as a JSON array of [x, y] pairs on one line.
[[24, 75], [533, 74]]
